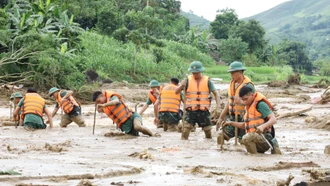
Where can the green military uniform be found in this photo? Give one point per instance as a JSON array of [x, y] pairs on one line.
[[252, 137], [128, 125], [230, 130], [32, 120], [171, 118], [74, 115], [201, 117]]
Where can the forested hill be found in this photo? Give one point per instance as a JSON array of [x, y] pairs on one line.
[[195, 20], [306, 21]]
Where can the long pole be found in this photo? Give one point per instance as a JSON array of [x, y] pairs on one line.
[[236, 129], [94, 119]]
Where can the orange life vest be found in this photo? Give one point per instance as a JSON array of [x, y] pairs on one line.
[[253, 118], [198, 94], [33, 104], [68, 104], [238, 109], [169, 101], [118, 113], [152, 97]]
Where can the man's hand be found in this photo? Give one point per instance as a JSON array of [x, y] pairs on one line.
[[260, 129], [218, 125], [183, 83], [156, 120], [228, 123]]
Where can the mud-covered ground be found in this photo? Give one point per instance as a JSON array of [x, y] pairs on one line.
[[72, 156]]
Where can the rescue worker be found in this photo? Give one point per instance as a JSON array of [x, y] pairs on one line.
[[33, 106], [169, 103], [258, 123], [113, 106], [17, 96], [152, 97], [70, 107], [198, 90], [235, 108]]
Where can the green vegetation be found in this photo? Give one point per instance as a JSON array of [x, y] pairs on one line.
[[261, 74], [305, 21], [45, 43], [196, 21]]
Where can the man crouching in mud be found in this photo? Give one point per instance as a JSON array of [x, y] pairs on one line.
[[258, 123], [113, 106]]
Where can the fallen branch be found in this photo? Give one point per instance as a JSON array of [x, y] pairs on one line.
[[113, 173], [294, 113]]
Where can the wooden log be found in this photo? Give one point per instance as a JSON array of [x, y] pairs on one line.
[[294, 113]]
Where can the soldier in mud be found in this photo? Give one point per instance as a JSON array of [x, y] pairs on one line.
[[197, 90], [234, 108], [258, 123], [15, 98], [169, 103], [114, 107], [152, 97], [33, 106], [70, 107]]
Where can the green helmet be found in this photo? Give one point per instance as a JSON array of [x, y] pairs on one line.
[[196, 66], [52, 90], [16, 95], [154, 83], [236, 66]]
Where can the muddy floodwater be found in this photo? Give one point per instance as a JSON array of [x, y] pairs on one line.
[[74, 156]]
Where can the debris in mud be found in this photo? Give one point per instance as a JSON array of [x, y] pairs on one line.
[[30, 184], [319, 123], [319, 174], [85, 182], [133, 182], [196, 170], [305, 97], [142, 155], [327, 150], [285, 165], [294, 79], [296, 113], [322, 83], [325, 97], [53, 148], [114, 134], [8, 123], [9, 172], [117, 183], [285, 182], [277, 83]]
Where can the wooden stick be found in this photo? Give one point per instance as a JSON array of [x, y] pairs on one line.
[[236, 129], [294, 113], [94, 119], [222, 135]]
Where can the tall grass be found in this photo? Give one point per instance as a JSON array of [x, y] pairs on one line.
[[262, 74], [124, 61]]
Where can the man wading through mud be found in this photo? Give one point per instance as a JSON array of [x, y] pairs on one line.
[[169, 106], [33, 106], [70, 107], [152, 97], [113, 106], [235, 107], [198, 90], [258, 123]]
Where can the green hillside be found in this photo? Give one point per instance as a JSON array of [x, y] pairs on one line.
[[306, 21], [195, 20]]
